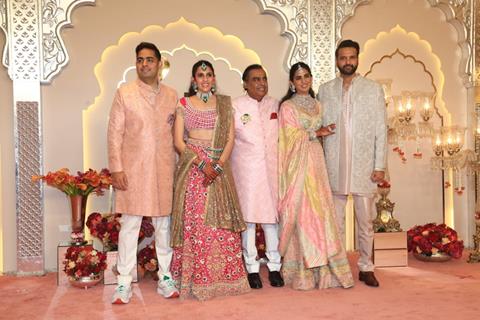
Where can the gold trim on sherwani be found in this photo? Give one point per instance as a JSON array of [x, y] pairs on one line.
[[222, 209]]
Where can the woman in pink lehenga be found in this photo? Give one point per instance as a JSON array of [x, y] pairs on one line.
[[206, 218], [313, 254]]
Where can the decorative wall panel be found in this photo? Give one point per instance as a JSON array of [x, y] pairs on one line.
[[461, 14], [29, 195]]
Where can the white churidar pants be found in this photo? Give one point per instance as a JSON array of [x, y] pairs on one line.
[[128, 243], [364, 216], [271, 251]]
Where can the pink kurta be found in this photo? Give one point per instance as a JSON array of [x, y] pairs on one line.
[[140, 143], [254, 158]]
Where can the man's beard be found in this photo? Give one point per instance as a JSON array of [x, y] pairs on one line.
[[348, 69]]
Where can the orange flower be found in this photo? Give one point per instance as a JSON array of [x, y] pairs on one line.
[[83, 183]]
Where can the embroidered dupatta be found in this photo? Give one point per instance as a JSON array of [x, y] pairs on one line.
[[222, 208]]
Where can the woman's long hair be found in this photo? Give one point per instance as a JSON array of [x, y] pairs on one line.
[[191, 90], [293, 69]]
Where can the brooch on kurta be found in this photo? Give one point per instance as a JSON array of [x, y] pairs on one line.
[[245, 118], [171, 119]]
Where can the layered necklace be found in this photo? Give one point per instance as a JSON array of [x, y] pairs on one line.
[[204, 96], [305, 102]]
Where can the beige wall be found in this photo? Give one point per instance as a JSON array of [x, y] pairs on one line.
[[417, 29]]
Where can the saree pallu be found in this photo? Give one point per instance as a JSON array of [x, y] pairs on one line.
[[313, 254], [209, 263]]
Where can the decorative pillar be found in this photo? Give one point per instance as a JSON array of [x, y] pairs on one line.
[[34, 54]]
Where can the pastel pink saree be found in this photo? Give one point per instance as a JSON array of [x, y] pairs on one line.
[[313, 253]]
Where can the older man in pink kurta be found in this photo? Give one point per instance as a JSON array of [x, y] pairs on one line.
[[142, 160], [254, 163]]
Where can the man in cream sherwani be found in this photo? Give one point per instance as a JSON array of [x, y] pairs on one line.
[[141, 158], [356, 154], [254, 164]]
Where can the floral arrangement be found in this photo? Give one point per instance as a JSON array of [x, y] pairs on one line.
[[106, 228], [431, 239], [147, 260], [83, 183], [84, 261]]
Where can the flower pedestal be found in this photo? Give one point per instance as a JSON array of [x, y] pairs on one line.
[[437, 257], [62, 278], [390, 249]]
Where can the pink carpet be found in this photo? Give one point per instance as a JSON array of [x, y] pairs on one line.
[[449, 290]]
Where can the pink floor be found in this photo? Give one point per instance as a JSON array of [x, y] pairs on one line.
[[449, 290]]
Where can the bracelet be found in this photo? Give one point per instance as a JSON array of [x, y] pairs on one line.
[[218, 168], [312, 135], [201, 165]]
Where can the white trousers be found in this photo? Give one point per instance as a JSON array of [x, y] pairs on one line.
[[128, 243], [364, 216], [271, 251]]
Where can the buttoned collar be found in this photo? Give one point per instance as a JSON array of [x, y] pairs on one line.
[[148, 88]]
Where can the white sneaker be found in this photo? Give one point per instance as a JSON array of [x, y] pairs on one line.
[[122, 294], [166, 287]]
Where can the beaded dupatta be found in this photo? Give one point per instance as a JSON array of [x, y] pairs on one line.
[[222, 207]]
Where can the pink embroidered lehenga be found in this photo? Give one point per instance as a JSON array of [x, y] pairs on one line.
[[313, 254], [206, 221]]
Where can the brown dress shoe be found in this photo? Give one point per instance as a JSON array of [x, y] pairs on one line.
[[369, 278]]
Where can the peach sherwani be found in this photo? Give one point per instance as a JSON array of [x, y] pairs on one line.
[[140, 143], [254, 158]]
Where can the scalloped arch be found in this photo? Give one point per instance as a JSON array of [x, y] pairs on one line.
[[385, 45]]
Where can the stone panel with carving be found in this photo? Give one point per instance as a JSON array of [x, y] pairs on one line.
[[4, 26], [477, 42], [294, 17], [461, 14], [23, 39], [322, 29], [29, 195], [344, 9], [55, 15]]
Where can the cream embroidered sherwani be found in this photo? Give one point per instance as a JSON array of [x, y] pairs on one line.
[[356, 149], [254, 165], [140, 143]]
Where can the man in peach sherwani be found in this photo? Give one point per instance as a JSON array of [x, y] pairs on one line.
[[142, 160], [254, 166]]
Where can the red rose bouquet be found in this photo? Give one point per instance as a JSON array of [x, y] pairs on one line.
[[147, 260], [106, 228], [431, 239], [84, 261]]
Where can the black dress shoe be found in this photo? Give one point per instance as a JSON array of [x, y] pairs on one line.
[[254, 281], [369, 278], [275, 279]]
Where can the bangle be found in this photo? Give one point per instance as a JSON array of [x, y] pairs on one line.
[[218, 168], [201, 165], [312, 134]]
